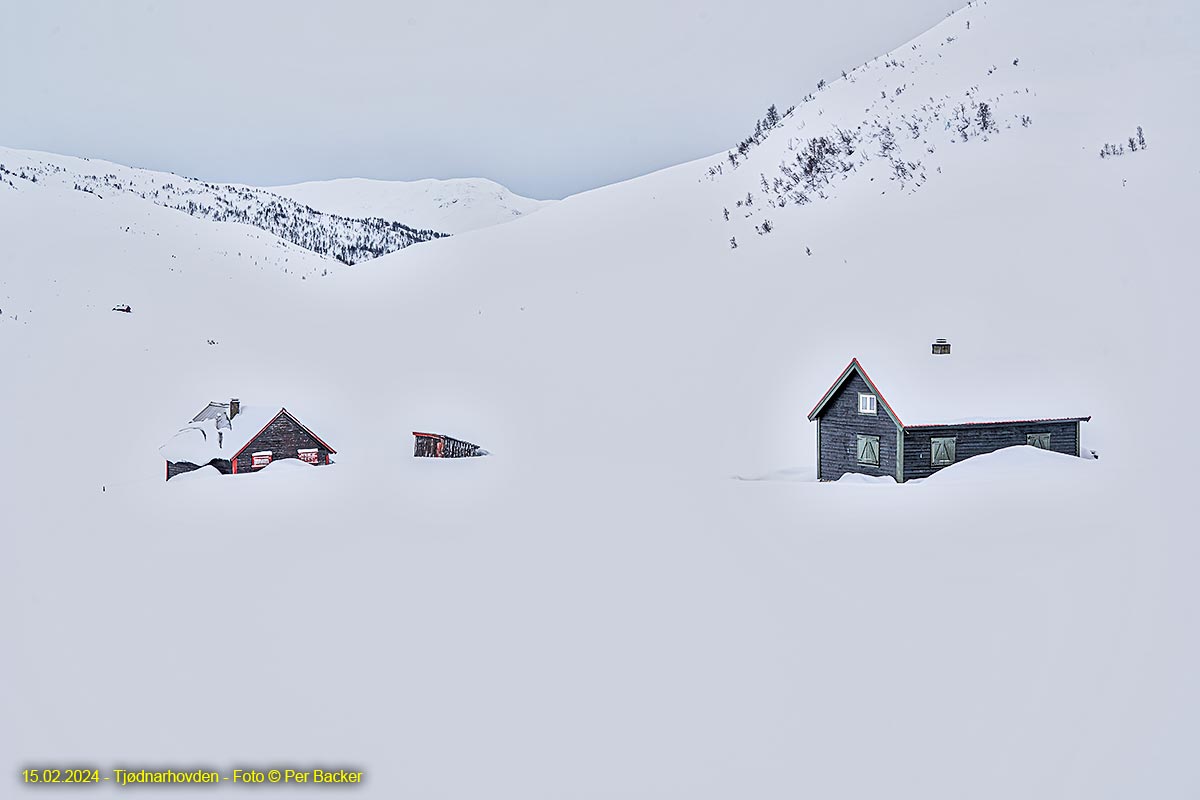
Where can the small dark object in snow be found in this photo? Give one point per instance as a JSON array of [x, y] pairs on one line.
[[124, 308]]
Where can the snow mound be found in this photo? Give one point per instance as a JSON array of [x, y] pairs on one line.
[[866, 480], [282, 465], [205, 473], [1018, 464]]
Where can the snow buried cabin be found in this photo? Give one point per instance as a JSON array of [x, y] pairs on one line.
[[238, 439], [860, 431], [437, 445]]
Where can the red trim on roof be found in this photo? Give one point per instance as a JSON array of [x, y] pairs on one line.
[[282, 411], [829, 392], [307, 430], [255, 436], [999, 422], [878, 393], [429, 435], [856, 367]]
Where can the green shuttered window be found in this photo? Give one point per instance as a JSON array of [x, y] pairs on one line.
[[942, 450], [1040, 440], [868, 450]]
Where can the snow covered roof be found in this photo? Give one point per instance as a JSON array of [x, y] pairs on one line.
[[217, 411], [918, 389], [212, 434]]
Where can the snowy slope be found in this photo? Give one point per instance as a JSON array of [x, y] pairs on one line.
[[346, 240], [453, 206], [599, 608]]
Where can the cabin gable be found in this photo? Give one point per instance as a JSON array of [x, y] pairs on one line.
[[283, 437], [840, 424]]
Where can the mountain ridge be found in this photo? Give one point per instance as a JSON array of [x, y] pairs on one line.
[[454, 205]]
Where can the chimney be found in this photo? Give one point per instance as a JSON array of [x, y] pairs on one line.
[[941, 348], [235, 406]]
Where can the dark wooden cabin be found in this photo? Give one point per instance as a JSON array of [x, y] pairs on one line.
[[436, 445], [237, 439], [859, 431]]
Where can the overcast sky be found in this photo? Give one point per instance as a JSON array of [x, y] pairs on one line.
[[548, 98]]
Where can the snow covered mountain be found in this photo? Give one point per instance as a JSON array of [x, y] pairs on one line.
[[346, 239], [642, 592], [453, 206]]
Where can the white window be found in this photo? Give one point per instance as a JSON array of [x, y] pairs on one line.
[[866, 404], [942, 450], [260, 459], [868, 450], [308, 455]]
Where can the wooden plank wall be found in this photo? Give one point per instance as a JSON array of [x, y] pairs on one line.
[[840, 426], [975, 440]]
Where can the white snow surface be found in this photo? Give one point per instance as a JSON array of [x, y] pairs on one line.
[[456, 205], [601, 609]]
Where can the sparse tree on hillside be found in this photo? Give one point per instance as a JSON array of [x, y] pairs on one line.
[[964, 122], [1141, 138], [986, 123], [733, 243]]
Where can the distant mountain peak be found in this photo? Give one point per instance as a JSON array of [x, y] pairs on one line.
[[455, 205]]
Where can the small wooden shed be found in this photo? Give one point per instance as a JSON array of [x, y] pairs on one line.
[[437, 445]]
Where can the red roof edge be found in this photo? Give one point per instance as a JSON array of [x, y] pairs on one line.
[[999, 422], [430, 435], [290, 416], [855, 366], [308, 431]]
